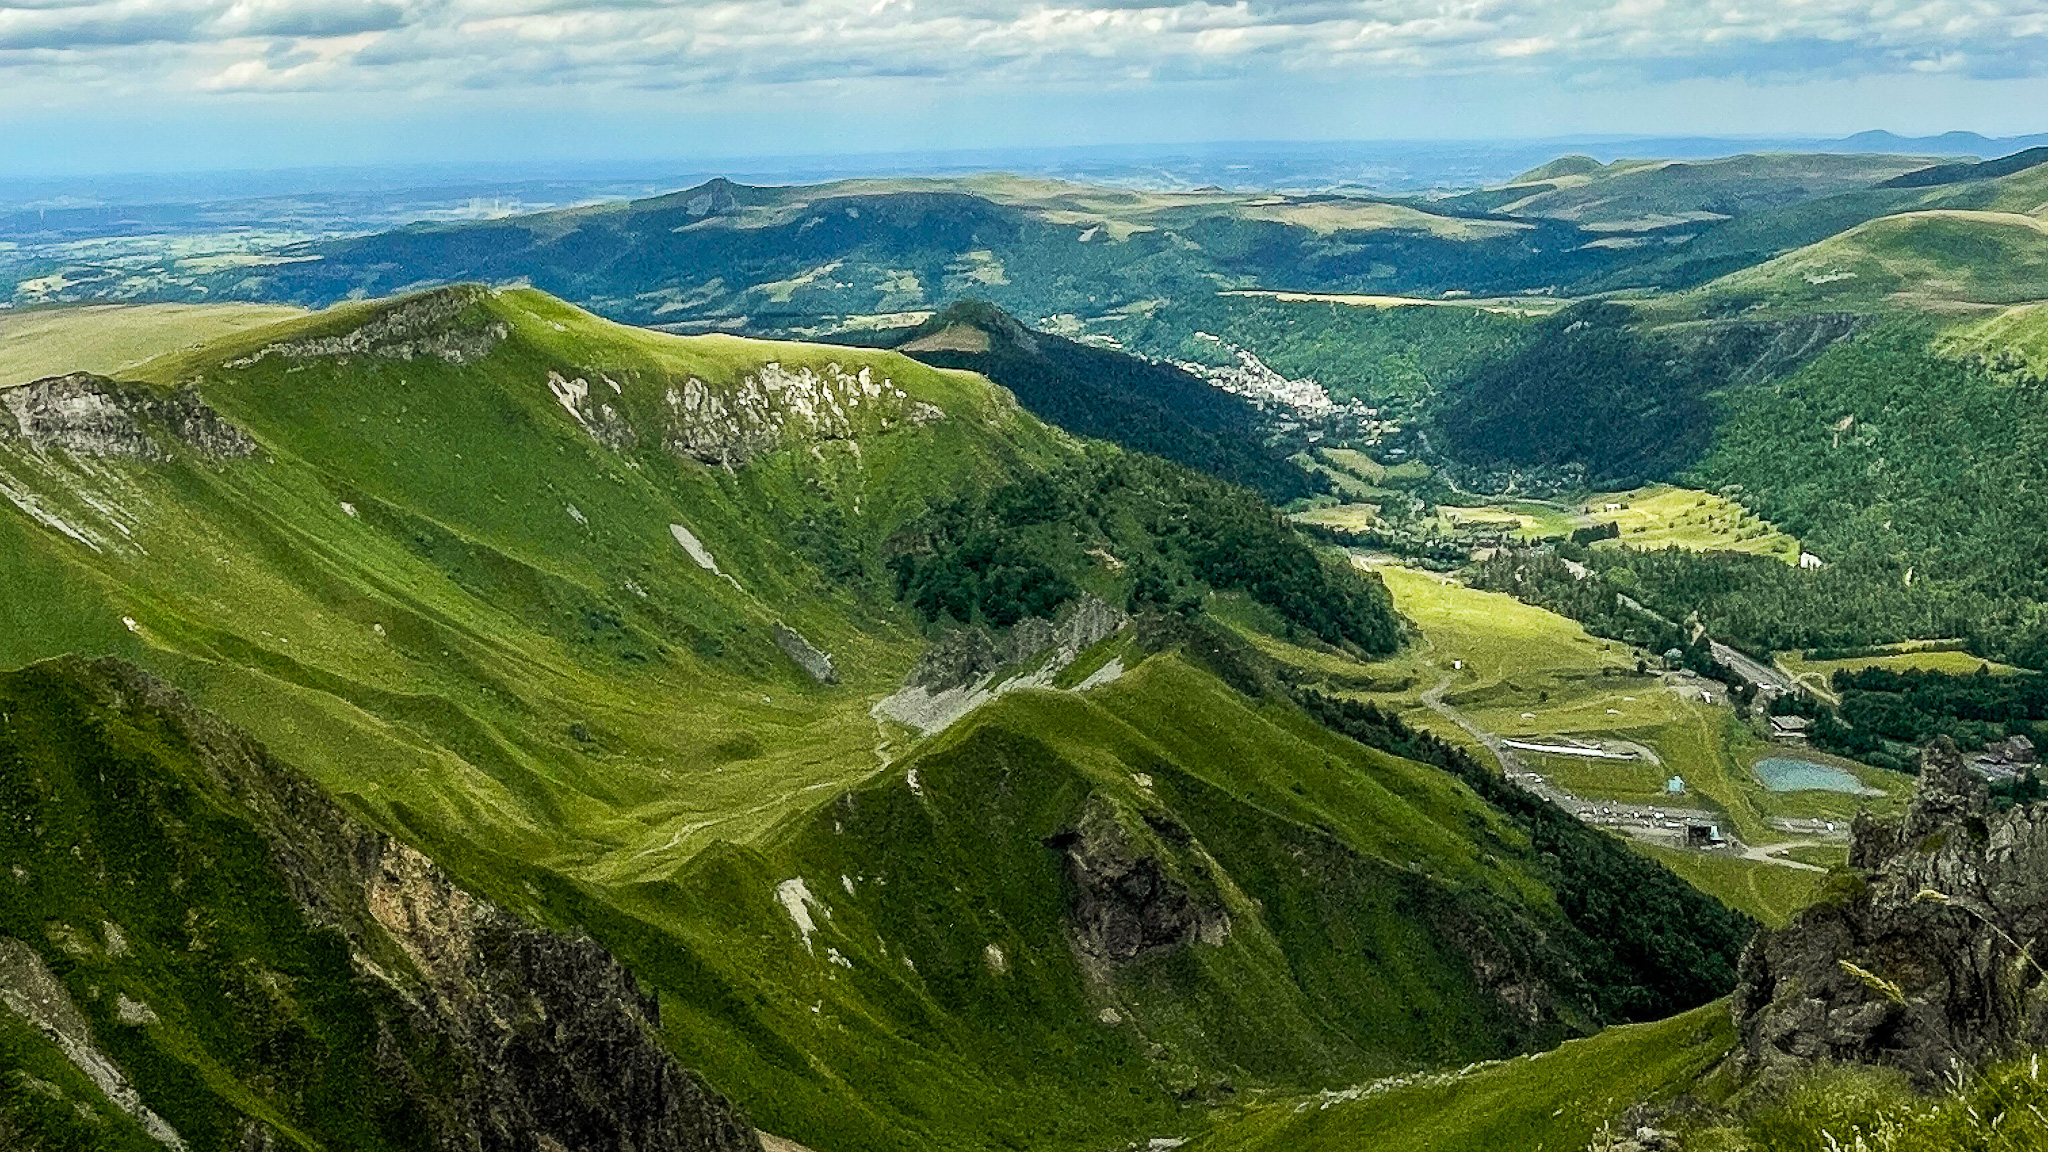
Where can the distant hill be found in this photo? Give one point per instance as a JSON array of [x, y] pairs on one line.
[[810, 260], [1907, 260], [1110, 395], [1631, 197], [1945, 144], [1957, 173], [1573, 165]]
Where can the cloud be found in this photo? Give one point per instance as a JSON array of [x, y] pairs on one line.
[[424, 45], [317, 19]]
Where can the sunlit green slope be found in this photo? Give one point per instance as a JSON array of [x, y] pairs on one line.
[[432, 584], [526, 588]]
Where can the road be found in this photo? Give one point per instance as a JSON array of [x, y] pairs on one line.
[[1759, 674]]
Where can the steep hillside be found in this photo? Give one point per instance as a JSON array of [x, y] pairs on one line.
[[1924, 259], [1594, 397], [1110, 395], [199, 950], [464, 556], [606, 622]]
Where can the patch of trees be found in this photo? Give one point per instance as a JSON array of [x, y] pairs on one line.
[[1882, 709], [1921, 479], [1650, 944], [1164, 535]]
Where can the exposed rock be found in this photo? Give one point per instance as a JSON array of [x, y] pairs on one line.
[[807, 657], [730, 426], [965, 655], [432, 324], [540, 1041], [959, 671], [92, 416], [1125, 905], [598, 417], [133, 1012], [1930, 959], [29, 990]]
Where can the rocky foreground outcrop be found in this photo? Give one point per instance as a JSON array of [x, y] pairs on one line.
[[1928, 956], [482, 1031]]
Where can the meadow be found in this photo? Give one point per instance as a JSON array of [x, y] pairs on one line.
[[1664, 516], [112, 338]]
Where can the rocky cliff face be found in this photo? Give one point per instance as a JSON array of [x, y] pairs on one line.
[[490, 1034], [1124, 903], [444, 324], [93, 417], [1931, 954], [731, 426]]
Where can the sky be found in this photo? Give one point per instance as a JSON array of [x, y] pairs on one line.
[[151, 85]]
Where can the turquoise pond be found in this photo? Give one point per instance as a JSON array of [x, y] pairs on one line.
[[1784, 775]]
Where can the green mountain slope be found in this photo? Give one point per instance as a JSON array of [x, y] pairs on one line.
[[1913, 260], [1568, 1098], [1635, 195], [198, 950], [428, 578], [551, 600]]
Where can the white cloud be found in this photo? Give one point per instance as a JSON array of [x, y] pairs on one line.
[[416, 46]]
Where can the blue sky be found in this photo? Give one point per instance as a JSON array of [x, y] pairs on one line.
[[90, 85]]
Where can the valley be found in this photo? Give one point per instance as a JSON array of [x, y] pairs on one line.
[[1000, 662]]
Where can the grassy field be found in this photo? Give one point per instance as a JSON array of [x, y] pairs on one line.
[[1557, 1101], [1519, 671], [1342, 517], [1771, 893], [111, 338], [1663, 516], [2021, 330], [1509, 305], [1525, 519], [1949, 661]]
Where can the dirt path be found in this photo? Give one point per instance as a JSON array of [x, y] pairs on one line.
[[1762, 853]]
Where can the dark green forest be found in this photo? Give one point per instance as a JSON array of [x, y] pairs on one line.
[[1141, 404], [1162, 535]]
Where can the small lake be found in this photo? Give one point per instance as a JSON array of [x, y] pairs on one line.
[[1781, 774]]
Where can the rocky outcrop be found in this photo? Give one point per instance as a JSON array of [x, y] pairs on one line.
[[1125, 905], [965, 669], [444, 324], [1931, 953], [597, 416], [29, 990], [730, 426], [95, 417], [807, 656], [965, 655], [503, 1036]]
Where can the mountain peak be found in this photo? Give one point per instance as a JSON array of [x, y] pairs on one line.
[[971, 325]]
